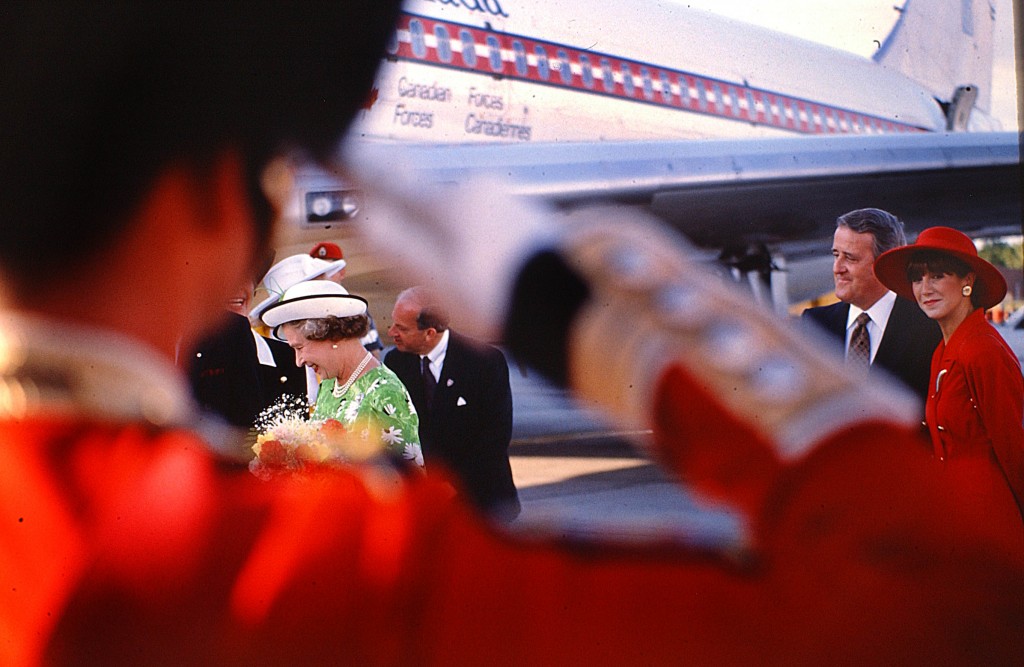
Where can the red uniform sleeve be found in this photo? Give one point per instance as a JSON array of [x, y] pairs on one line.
[[997, 388], [860, 548]]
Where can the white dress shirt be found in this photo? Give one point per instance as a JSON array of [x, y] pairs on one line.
[[879, 314], [437, 356]]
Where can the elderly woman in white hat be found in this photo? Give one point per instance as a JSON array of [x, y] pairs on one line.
[[975, 405], [328, 264], [323, 323]]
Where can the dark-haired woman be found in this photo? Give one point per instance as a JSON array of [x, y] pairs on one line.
[[323, 323], [975, 403]]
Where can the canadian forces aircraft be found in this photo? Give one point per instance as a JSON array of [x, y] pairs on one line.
[[747, 141]]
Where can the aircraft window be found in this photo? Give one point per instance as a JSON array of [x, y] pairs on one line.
[[645, 78], [419, 46], [967, 17], [719, 102], [520, 54], [444, 45], [588, 71], [468, 48], [494, 46], [563, 66], [692, 92], [666, 88], [607, 77], [627, 80], [543, 70], [702, 95]]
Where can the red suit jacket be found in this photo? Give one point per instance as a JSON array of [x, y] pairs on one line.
[[975, 401]]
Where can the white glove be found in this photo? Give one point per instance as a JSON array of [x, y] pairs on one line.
[[466, 242]]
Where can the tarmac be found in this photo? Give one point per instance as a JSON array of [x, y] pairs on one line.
[[579, 476]]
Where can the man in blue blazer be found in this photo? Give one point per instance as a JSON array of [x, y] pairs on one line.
[[902, 338], [460, 388]]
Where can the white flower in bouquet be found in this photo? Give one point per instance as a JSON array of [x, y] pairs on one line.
[[289, 441]]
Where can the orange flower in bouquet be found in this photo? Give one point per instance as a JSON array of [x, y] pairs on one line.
[[290, 442]]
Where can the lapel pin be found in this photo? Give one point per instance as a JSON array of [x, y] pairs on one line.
[[450, 382]]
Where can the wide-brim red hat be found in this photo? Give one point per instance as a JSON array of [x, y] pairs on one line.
[[891, 266]]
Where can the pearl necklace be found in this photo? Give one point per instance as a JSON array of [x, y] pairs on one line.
[[339, 392]]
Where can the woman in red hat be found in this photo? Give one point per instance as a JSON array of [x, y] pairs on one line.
[[975, 404]]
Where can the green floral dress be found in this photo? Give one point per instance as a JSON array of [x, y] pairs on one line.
[[377, 405]]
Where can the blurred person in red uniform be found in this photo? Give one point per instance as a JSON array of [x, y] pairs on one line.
[[975, 403], [122, 540]]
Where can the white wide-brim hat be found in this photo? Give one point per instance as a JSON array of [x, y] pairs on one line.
[[289, 272], [310, 300]]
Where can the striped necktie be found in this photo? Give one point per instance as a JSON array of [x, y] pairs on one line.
[[859, 353]]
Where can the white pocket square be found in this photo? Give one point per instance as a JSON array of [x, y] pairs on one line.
[[461, 401]]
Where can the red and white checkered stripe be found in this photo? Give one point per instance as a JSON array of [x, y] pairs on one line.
[[452, 45]]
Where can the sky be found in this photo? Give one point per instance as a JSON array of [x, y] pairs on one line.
[[854, 25]]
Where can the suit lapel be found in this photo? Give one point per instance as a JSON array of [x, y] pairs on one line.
[[839, 325], [407, 367], [897, 331], [450, 372]]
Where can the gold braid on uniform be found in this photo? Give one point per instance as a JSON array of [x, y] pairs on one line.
[[652, 305]]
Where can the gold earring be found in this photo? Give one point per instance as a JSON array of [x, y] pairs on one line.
[[967, 289]]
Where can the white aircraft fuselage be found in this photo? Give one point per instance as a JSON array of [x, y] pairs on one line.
[[516, 71]]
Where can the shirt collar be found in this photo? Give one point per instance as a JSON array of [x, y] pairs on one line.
[[263, 352], [973, 323], [879, 311], [437, 354]]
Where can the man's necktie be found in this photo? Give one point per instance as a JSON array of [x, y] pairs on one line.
[[429, 383], [859, 353]]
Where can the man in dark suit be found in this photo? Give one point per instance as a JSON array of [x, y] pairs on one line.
[[461, 391], [235, 373], [225, 374], [899, 337]]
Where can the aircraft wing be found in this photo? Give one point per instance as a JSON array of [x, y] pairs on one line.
[[734, 192], [759, 204]]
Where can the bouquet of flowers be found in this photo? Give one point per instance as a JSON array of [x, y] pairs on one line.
[[288, 441]]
